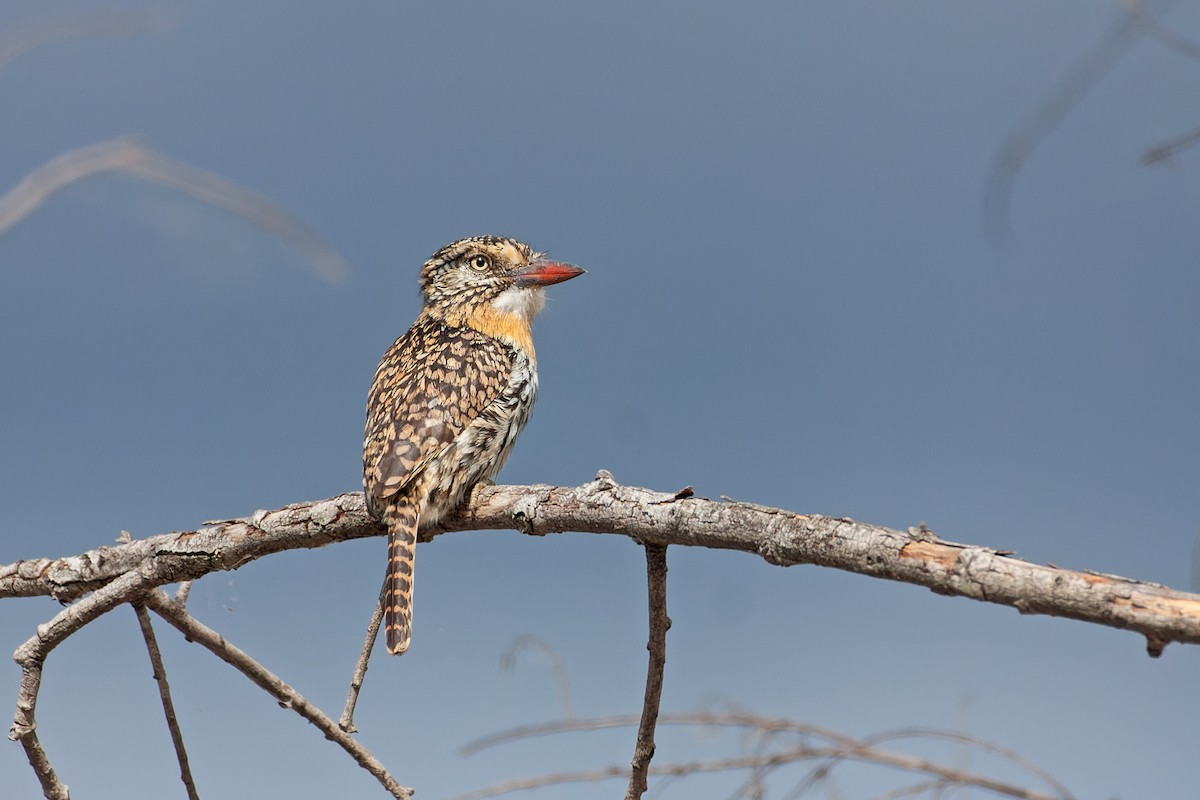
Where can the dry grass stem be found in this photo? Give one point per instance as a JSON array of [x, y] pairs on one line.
[[130, 157], [832, 749], [23, 38]]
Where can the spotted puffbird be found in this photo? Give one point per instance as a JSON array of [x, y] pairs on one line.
[[450, 397]]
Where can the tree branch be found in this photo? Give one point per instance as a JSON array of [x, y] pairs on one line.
[[785, 538]]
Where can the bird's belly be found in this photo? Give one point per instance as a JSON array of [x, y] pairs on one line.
[[479, 452]]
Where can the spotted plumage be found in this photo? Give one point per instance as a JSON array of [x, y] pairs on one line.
[[450, 397]]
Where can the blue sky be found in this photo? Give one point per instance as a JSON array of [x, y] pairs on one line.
[[791, 300]]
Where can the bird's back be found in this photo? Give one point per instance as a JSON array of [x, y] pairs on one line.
[[444, 410]]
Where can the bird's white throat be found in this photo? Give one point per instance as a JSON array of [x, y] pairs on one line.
[[524, 301]]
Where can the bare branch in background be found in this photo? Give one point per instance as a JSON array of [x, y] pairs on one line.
[[806, 743], [1016, 148], [656, 645], [130, 157], [164, 694], [527, 642], [20, 39], [1140, 19]]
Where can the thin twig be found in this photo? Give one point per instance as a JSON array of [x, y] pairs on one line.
[[346, 721], [656, 591], [288, 697], [164, 693]]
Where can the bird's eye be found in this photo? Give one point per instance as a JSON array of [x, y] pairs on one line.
[[480, 263]]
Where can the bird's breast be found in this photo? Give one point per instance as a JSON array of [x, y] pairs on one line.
[[480, 451]]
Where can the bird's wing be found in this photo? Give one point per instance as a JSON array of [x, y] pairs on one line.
[[429, 386]]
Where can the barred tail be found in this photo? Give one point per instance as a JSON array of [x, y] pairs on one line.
[[401, 521]]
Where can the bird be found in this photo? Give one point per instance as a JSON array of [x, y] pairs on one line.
[[450, 397]]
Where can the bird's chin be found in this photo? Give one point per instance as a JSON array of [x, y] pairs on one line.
[[524, 301]]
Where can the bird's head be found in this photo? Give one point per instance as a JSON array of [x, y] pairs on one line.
[[491, 283]]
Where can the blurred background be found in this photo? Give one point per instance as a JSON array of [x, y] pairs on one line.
[[808, 287]]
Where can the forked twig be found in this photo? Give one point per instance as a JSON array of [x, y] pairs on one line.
[[656, 591], [164, 693], [31, 656], [201, 634]]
